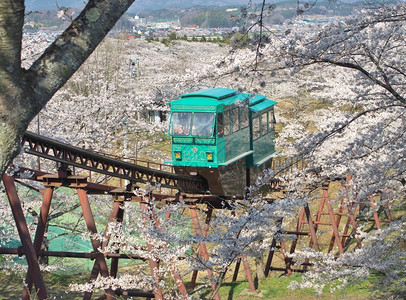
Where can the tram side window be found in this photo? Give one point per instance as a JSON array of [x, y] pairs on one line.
[[227, 122], [220, 127], [271, 118], [244, 117], [264, 123], [256, 129], [234, 119]]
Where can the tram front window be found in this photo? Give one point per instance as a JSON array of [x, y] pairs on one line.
[[203, 124], [181, 123]]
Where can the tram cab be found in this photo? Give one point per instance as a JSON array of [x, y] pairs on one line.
[[223, 135]]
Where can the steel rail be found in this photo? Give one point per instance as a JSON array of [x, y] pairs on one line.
[[92, 255], [74, 156]]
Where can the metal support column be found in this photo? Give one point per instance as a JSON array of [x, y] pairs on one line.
[[153, 262], [204, 233], [248, 273], [205, 253], [39, 234], [375, 213], [116, 214], [351, 209], [236, 269], [351, 220], [336, 233], [30, 255], [100, 259], [272, 248], [312, 228], [174, 269], [289, 259]]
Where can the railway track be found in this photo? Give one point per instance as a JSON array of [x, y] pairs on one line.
[[74, 156]]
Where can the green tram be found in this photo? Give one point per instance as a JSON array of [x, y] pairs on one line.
[[223, 135]]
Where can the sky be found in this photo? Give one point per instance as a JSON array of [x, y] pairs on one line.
[[144, 4], [52, 4]]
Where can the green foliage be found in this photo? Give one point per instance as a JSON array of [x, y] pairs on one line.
[[57, 285], [199, 19], [271, 288], [220, 19], [238, 40], [288, 14], [213, 19], [219, 40], [172, 36], [277, 288], [166, 42]]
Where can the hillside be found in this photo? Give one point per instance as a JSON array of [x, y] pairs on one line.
[[208, 16]]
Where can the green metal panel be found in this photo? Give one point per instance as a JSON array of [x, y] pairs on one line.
[[221, 150], [209, 100], [201, 108], [205, 141], [195, 104], [182, 140], [256, 99], [194, 155], [236, 99], [263, 147], [265, 104], [193, 150], [236, 143], [217, 93], [237, 158]]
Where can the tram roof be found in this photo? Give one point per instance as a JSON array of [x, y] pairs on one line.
[[216, 93], [220, 97], [266, 103]]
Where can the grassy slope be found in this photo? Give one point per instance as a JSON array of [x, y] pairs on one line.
[[271, 288]]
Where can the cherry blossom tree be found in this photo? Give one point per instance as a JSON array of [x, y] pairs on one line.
[[112, 112], [24, 92], [355, 65], [90, 109]]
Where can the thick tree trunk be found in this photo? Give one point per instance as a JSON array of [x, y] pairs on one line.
[[9, 143], [11, 91], [259, 263], [23, 93]]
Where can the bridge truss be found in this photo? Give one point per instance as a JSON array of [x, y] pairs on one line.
[[189, 189]]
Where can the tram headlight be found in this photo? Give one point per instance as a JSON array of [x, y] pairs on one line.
[[209, 156], [178, 155]]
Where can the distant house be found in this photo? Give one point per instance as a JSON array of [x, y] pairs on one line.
[[157, 116]]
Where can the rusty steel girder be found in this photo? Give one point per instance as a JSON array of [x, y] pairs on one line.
[[74, 156]]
